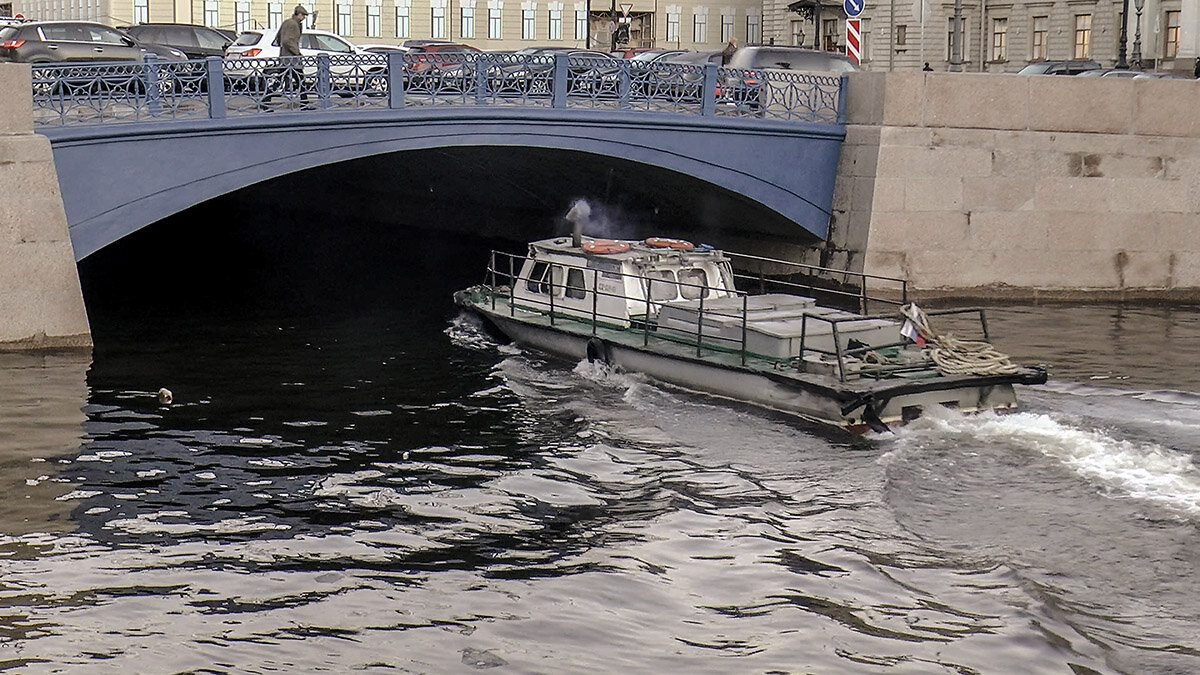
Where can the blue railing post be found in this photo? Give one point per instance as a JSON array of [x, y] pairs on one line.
[[216, 87], [482, 66], [559, 97], [395, 79], [708, 95], [150, 79], [843, 85], [323, 83], [623, 83]]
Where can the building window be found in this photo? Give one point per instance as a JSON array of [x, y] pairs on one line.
[[864, 40], [901, 35], [581, 24], [403, 27], [753, 29], [1171, 41], [963, 50], [274, 14], [726, 27], [141, 11], [212, 18], [797, 33], [1083, 36], [999, 39], [554, 20], [494, 22], [437, 22], [241, 15], [1037, 51], [343, 19], [829, 34], [673, 26], [699, 29], [527, 24], [466, 21], [373, 22]]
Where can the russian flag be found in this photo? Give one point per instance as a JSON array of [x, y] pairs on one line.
[[909, 330]]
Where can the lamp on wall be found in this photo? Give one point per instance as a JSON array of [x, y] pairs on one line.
[[1137, 34]]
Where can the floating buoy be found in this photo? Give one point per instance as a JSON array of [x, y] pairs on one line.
[[664, 242], [165, 396], [605, 246]]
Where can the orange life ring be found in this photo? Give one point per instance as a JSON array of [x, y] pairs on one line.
[[605, 246], [663, 242]]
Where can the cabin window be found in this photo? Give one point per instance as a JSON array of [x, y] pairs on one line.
[[662, 285], [693, 283], [575, 286], [537, 278]]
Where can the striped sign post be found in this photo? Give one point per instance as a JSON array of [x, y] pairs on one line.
[[853, 40]]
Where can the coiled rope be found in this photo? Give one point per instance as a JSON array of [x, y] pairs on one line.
[[959, 357]]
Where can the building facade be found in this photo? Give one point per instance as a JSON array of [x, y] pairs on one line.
[[996, 36]]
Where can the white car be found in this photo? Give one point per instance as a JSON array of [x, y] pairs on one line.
[[351, 67]]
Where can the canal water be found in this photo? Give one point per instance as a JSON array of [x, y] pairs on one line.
[[352, 477]]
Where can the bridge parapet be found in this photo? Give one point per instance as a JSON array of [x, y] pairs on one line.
[[71, 95]]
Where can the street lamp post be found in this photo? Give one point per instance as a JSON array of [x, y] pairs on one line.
[[1121, 62], [1137, 34]]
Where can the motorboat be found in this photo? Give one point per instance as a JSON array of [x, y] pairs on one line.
[[673, 310]]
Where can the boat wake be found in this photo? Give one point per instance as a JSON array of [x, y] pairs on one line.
[[1119, 468]]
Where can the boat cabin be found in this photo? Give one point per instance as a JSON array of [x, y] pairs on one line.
[[617, 282]]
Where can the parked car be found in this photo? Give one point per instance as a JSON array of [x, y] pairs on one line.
[[1071, 67], [530, 71], [197, 42], [74, 41], [672, 74], [743, 87], [347, 74]]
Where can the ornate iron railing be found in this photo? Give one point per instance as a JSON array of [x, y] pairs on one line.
[[214, 88]]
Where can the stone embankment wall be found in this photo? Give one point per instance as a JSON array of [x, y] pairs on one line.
[[41, 304], [987, 185]]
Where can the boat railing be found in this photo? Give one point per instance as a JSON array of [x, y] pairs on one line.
[[503, 272], [857, 289]]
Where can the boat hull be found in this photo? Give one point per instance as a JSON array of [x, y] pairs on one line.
[[855, 407]]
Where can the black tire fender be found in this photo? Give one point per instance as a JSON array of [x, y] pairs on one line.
[[597, 350]]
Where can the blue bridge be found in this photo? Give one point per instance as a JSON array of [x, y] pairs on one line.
[[136, 143]]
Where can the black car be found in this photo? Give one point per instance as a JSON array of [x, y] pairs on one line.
[[196, 42], [1072, 67], [66, 41]]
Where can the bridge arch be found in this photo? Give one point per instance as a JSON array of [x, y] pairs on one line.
[[119, 178]]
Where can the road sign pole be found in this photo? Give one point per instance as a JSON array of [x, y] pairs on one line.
[[854, 40]]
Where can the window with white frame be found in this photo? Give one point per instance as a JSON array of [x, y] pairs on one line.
[[437, 20], [829, 35], [466, 20], [797, 33], [1037, 48], [581, 24], [403, 18], [727, 24], [212, 17], [141, 11], [1000, 39], [528, 21], [374, 24], [554, 20], [753, 29], [241, 15], [1171, 41], [673, 12], [274, 14], [699, 27], [1083, 36], [342, 21], [962, 41], [495, 14]]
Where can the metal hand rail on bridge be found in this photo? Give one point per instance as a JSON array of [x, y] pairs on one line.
[[104, 93]]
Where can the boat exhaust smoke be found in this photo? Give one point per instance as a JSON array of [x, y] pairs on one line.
[[579, 213]]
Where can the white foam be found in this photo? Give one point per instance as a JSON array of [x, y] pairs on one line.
[[1123, 468]]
